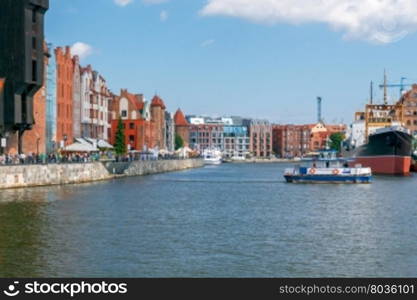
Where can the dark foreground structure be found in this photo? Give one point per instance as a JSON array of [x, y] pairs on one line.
[[21, 63]]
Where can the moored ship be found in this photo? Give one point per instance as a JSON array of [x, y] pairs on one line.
[[388, 151]]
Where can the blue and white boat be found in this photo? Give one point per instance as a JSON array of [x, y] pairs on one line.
[[325, 167]]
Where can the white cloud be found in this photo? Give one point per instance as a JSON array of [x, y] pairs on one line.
[[379, 21], [81, 49], [207, 43], [123, 2], [163, 16]]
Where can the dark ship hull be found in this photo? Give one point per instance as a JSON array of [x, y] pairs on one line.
[[387, 152]]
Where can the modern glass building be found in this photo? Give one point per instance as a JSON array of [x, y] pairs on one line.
[[236, 141]]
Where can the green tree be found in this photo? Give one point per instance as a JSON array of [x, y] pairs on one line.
[[335, 141], [120, 144], [179, 142]]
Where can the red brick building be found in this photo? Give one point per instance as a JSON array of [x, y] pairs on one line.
[[409, 106], [144, 122], [64, 86], [34, 140], [291, 140], [182, 127], [298, 140], [260, 134], [206, 136], [158, 117], [320, 134]]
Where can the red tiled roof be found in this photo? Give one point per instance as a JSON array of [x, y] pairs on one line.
[[157, 101], [179, 119], [133, 99]]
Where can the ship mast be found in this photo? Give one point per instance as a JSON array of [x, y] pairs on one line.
[[385, 88], [372, 93]]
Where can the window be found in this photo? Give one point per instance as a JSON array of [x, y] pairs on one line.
[[124, 113], [34, 70], [33, 42], [131, 125], [131, 138], [34, 16]]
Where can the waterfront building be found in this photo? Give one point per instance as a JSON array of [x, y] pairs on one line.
[[76, 100], [409, 107], [181, 127], [260, 133], [206, 136], [320, 134], [220, 133], [65, 71], [291, 141], [169, 132], [135, 114], [34, 140], [21, 64], [236, 141], [95, 101]]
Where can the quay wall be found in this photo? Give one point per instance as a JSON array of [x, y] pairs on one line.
[[138, 168], [19, 176], [16, 176]]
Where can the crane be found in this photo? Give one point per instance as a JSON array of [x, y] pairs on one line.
[[319, 116], [401, 85]]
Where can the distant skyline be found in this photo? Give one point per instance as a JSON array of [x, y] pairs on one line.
[[263, 59]]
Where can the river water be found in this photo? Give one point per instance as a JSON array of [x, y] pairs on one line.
[[234, 220]]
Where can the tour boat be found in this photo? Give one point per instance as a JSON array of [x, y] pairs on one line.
[[326, 168], [212, 157]]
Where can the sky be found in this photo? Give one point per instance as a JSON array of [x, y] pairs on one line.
[[267, 59]]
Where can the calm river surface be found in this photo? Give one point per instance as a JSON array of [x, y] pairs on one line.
[[238, 220]]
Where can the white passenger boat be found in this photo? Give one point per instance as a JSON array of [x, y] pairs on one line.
[[327, 168], [212, 157]]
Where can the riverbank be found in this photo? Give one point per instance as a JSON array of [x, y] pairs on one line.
[[261, 161], [20, 176]]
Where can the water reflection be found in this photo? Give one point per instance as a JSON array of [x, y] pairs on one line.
[[21, 224], [232, 220]]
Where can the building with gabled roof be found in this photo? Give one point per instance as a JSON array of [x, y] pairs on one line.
[[144, 122]]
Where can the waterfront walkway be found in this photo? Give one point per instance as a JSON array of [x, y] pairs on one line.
[[42, 159]]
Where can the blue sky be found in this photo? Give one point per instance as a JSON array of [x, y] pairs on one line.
[[228, 57]]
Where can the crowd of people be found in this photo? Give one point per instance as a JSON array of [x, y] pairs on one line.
[[56, 158], [32, 158]]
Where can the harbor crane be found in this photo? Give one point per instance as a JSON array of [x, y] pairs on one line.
[[401, 85], [319, 115]]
